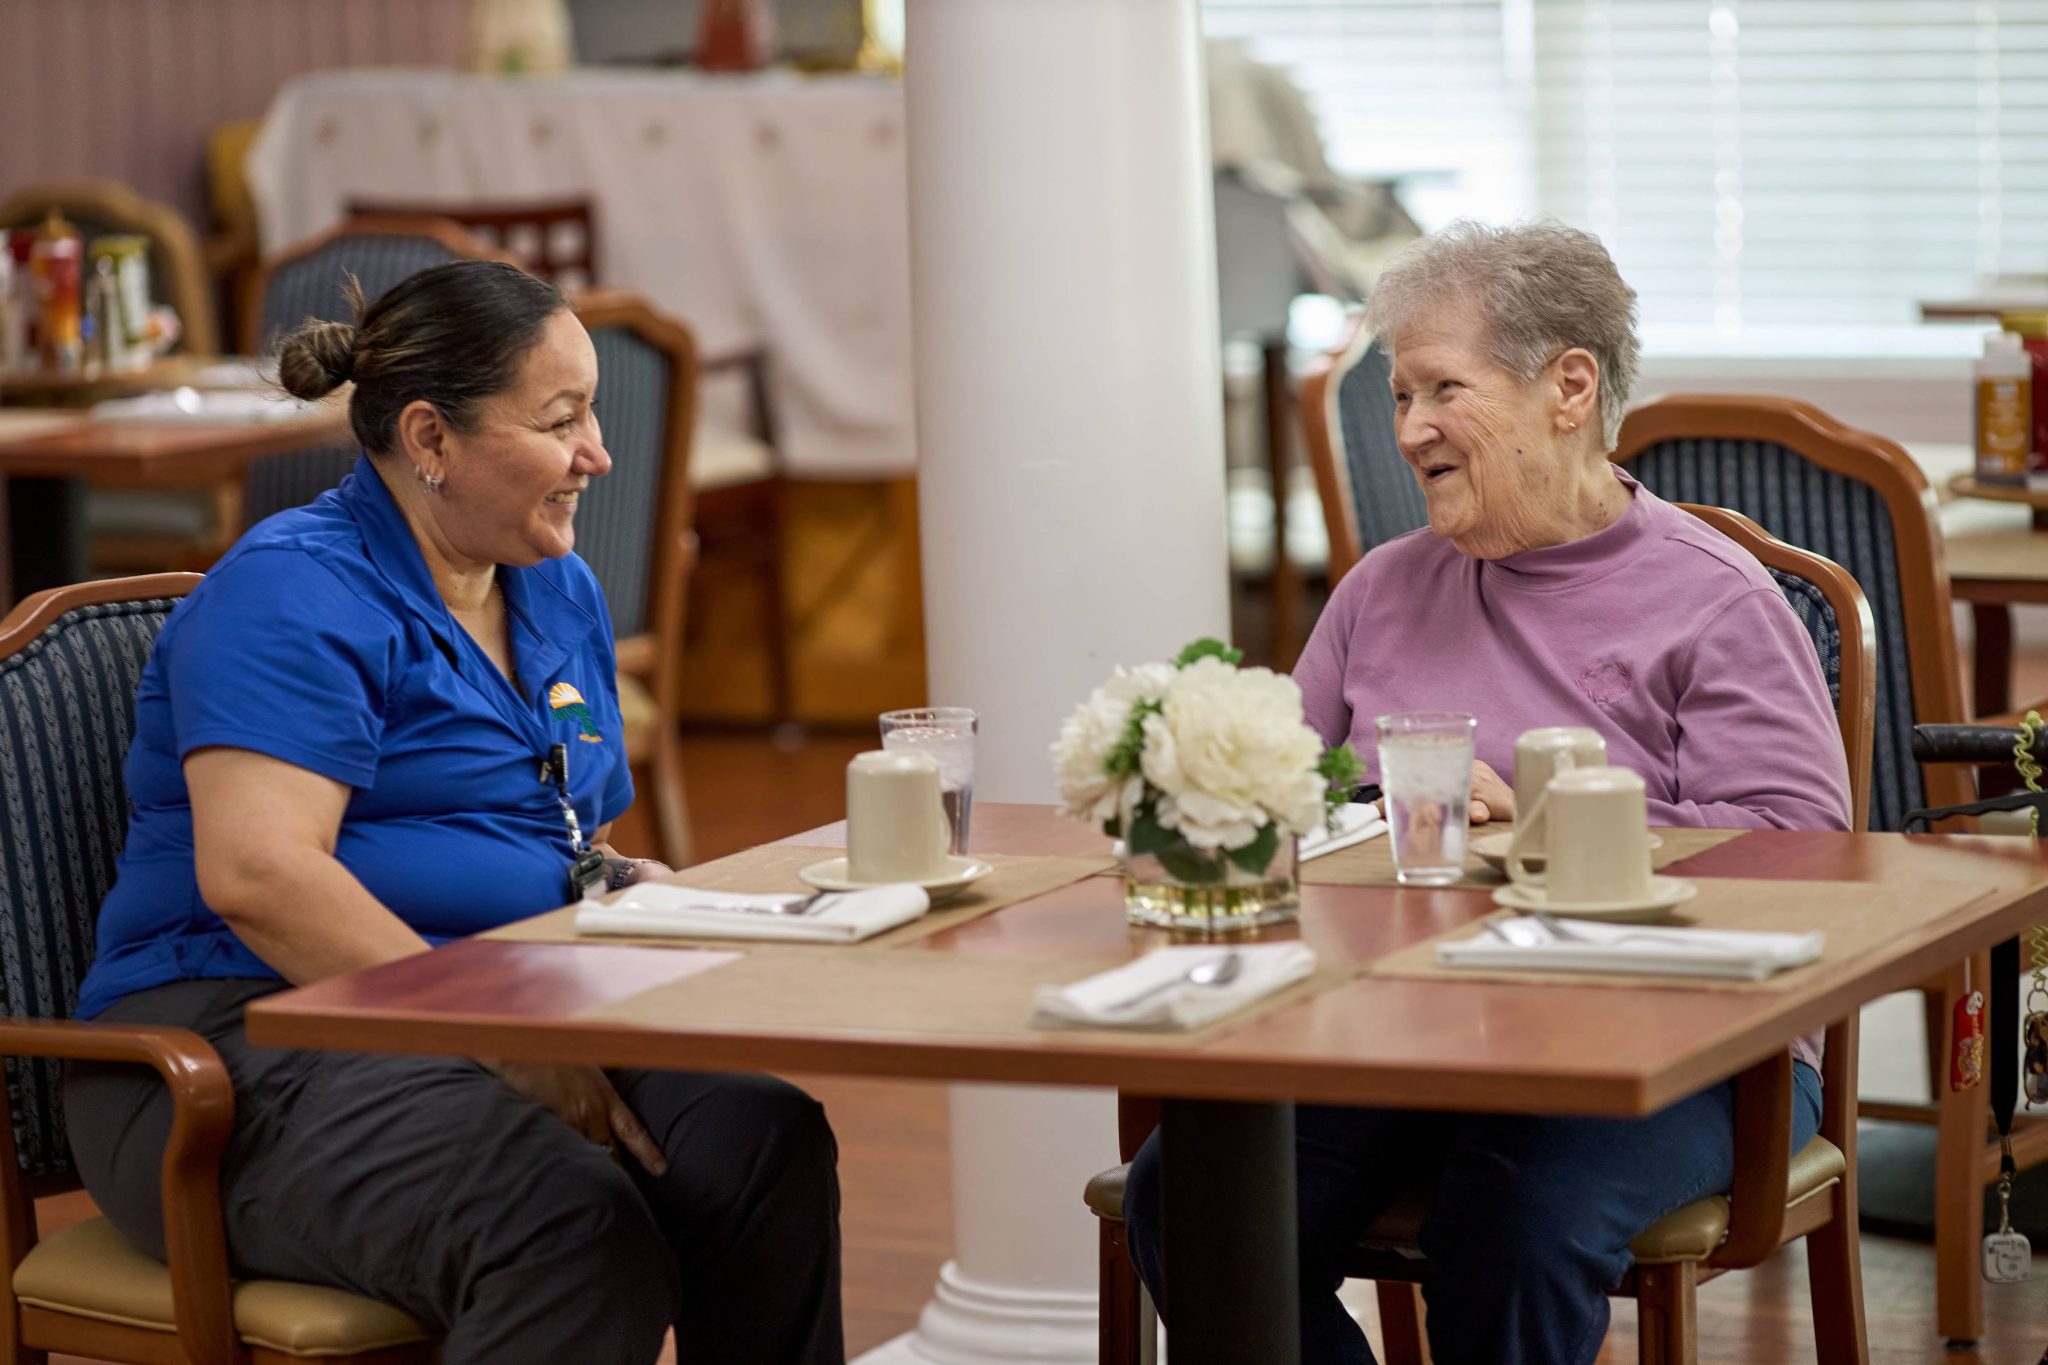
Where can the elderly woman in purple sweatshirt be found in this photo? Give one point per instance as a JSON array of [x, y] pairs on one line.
[[1549, 589]]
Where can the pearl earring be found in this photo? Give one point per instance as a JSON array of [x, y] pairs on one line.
[[432, 481]]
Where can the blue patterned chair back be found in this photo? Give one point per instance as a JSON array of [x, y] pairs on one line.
[[620, 516], [1387, 500], [1834, 515], [67, 712], [1817, 614], [312, 286]]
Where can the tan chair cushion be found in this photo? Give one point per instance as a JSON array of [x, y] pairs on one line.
[[1693, 1232], [1688, 1234], [638, 717], [88, 1270]]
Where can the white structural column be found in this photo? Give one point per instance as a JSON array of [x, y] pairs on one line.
[[1071, 486]]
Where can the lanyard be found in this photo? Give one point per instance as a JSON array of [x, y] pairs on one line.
[[586, 866]]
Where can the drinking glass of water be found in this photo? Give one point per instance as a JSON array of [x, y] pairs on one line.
[[1426, 778], [945, 734]]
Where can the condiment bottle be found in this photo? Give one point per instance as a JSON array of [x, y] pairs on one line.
[[2031, 327], [56, 260], [2005, 409]]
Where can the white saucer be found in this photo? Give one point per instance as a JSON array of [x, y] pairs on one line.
[[1665, 892], [960, 874], [1493, 849]]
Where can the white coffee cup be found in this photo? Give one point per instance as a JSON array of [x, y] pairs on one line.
[[896, 829], [1542, 754], [1592, 828]]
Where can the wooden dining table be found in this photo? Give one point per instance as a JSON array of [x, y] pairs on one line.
[[1995, 570], [45, 470], [1361, 1037]]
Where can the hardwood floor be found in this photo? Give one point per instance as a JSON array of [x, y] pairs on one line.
[[896, 1215]]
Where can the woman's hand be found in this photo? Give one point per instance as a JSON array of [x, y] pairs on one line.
[[1492, 799], [583, 1098], [646, 870]]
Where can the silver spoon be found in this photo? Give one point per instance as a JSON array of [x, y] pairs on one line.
[[1210, 971]]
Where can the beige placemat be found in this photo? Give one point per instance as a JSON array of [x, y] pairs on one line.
[[807, 989], [773, 867], [1856, 916], [1372, 862]]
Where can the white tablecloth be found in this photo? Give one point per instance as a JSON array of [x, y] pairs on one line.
[[764, 210]]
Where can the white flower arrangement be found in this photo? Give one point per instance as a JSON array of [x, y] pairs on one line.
[[1211, 763]]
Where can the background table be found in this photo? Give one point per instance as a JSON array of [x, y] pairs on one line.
[[766, 210], [43, 475], [1369, 1040]]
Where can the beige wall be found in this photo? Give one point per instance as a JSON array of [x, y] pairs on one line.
[[130, 88]]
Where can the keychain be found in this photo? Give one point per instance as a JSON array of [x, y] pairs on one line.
[[2008, 1256], [1966, 1058]]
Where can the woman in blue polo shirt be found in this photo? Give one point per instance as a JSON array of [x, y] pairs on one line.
[[349, 748]]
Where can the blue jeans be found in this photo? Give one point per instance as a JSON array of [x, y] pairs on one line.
[[1529, 1222]]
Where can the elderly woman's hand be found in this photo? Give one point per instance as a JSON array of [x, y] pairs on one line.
[[583, 1098], [1492, 799]]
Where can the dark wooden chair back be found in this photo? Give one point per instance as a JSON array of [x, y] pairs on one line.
[[1859, 500], [556, 239]]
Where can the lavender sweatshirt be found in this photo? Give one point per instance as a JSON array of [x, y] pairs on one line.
[[1659, 632]]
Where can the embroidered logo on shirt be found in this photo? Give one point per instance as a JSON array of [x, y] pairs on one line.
[[1607, 682], [567, 701]]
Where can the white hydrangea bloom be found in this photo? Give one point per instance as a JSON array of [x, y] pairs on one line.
[[1093, 731], [1230, 753]]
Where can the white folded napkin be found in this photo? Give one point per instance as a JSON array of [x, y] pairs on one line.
[[1156, 992], [204, 405], [1648, 950], [1356, 822], [662, 909]]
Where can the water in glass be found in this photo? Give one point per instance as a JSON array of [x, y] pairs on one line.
[[1426, 778], [945, 734]]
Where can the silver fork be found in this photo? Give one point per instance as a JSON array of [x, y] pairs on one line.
[[815, 903], [1561, 932]]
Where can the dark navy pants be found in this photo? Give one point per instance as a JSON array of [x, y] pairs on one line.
[[1529, 1223], [428, 1183]]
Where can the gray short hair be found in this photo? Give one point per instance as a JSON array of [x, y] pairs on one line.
[[1539, 288]]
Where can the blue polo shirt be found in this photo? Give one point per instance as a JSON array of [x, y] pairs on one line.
[[321, 640]]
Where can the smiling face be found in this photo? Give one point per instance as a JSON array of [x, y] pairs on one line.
[[1485, 445], [511, 483]]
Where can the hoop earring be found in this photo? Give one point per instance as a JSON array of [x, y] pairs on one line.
[[432, 481]]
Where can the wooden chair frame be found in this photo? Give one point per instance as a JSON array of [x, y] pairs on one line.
[[656, 654], [1324, 435], [202, 1118], [447, 232], [497, 217], [186, 282], [1965, 1161]]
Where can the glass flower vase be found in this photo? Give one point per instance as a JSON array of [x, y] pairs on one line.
[[1202, 891]]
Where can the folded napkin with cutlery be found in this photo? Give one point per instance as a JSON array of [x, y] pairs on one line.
[[659, 909], [1174, 988], [1550, 944], [1356, 823]]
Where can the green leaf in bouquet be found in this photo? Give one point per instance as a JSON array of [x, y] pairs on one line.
[[1128, 757], [1207, 648], [1256, 856], [1148, 838]]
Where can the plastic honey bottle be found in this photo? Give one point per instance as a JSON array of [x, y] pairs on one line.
[[2005, 409]]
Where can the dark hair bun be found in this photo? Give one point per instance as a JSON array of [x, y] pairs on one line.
[[317, 359]]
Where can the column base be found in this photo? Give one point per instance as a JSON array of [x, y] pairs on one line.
[[972, 1323]]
